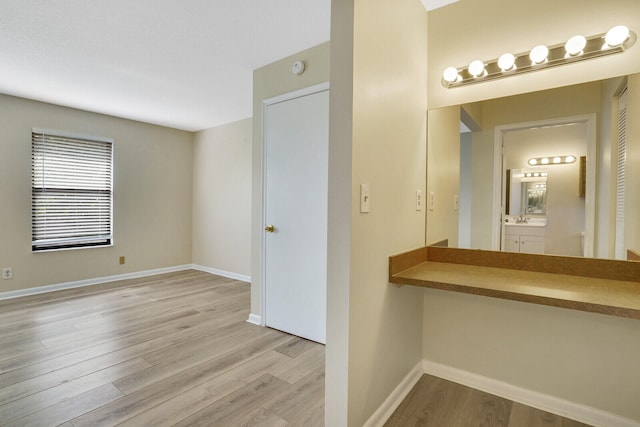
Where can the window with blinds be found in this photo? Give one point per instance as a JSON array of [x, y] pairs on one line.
[[71, 190], [620, 250]]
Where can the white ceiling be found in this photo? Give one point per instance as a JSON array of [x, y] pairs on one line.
[[182, 64], [436, 4]]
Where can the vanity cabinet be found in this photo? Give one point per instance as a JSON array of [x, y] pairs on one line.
[[524, 239]]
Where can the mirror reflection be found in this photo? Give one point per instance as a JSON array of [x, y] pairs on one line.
[[544, 172], [526, 194]]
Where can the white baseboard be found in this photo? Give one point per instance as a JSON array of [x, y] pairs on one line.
[[396, 397], [228, 274], [89, 282], [255, 319], [545, 402]]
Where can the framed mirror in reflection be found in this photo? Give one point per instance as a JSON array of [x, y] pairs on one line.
[[559, 167], [525, 194]]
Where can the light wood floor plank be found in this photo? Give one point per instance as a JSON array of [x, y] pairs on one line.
[[301, 366], [65, 410], [145, 398], [296, 347], [179, 407], [435, 402], [35, 399], [38, 363], [238, 407], [196, 354], [308, 389], [522, 415]]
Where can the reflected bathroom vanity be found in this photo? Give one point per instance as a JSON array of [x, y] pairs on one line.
[[527, 238], [525, 217]]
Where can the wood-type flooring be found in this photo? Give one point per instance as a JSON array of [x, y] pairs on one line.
[[435, 402], [176, 350], [167, 350]]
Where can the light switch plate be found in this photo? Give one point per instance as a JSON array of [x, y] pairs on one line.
[[365, 201], [419, 201], [432, 200], [456, 203]]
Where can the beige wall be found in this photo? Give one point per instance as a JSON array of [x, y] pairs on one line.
[[481, 189], [222, 198], [378, 130], [443, 131], [152, 196], [270, 81], [586, 358]]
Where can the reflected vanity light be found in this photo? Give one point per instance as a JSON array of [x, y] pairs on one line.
[[551, 160], [530, 175], [576, 48]]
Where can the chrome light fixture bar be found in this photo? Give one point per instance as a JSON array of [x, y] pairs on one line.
[[577, 48], [551, 160]]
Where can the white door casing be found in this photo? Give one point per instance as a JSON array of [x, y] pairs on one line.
[[589, 120]]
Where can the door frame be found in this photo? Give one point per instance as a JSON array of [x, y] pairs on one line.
[[321, 87], [589, 120]]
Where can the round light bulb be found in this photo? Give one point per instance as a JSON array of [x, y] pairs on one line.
[[533, 162], [570, 159], [536, 174], [616, 36], [539, 54], [506, 62], [544, 161], [529, 174], [450, 75], [476, 68], [575, 45], [557, 160]]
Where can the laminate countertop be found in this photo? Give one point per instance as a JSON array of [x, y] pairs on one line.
[[592, 294]]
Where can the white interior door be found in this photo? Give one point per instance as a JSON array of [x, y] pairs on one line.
[[295, 199]]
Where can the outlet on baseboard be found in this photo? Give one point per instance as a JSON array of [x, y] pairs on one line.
[[7, 273], [122, 260]]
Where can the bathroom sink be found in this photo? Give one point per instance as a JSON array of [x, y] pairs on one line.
[[531, 222]]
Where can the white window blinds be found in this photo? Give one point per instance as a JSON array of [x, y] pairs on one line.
[[71, 190], [620, 250]]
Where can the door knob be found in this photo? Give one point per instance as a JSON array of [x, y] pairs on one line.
[[269, 229]]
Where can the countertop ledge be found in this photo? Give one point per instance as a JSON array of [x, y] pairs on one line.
[[532, 279]]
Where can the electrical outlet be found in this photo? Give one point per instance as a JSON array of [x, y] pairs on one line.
[[7, 273], [121, 260]]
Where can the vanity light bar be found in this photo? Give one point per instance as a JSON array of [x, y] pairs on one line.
[[577, 48], [551, 160]]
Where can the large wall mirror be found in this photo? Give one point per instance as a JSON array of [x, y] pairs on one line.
[[546, 172]]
